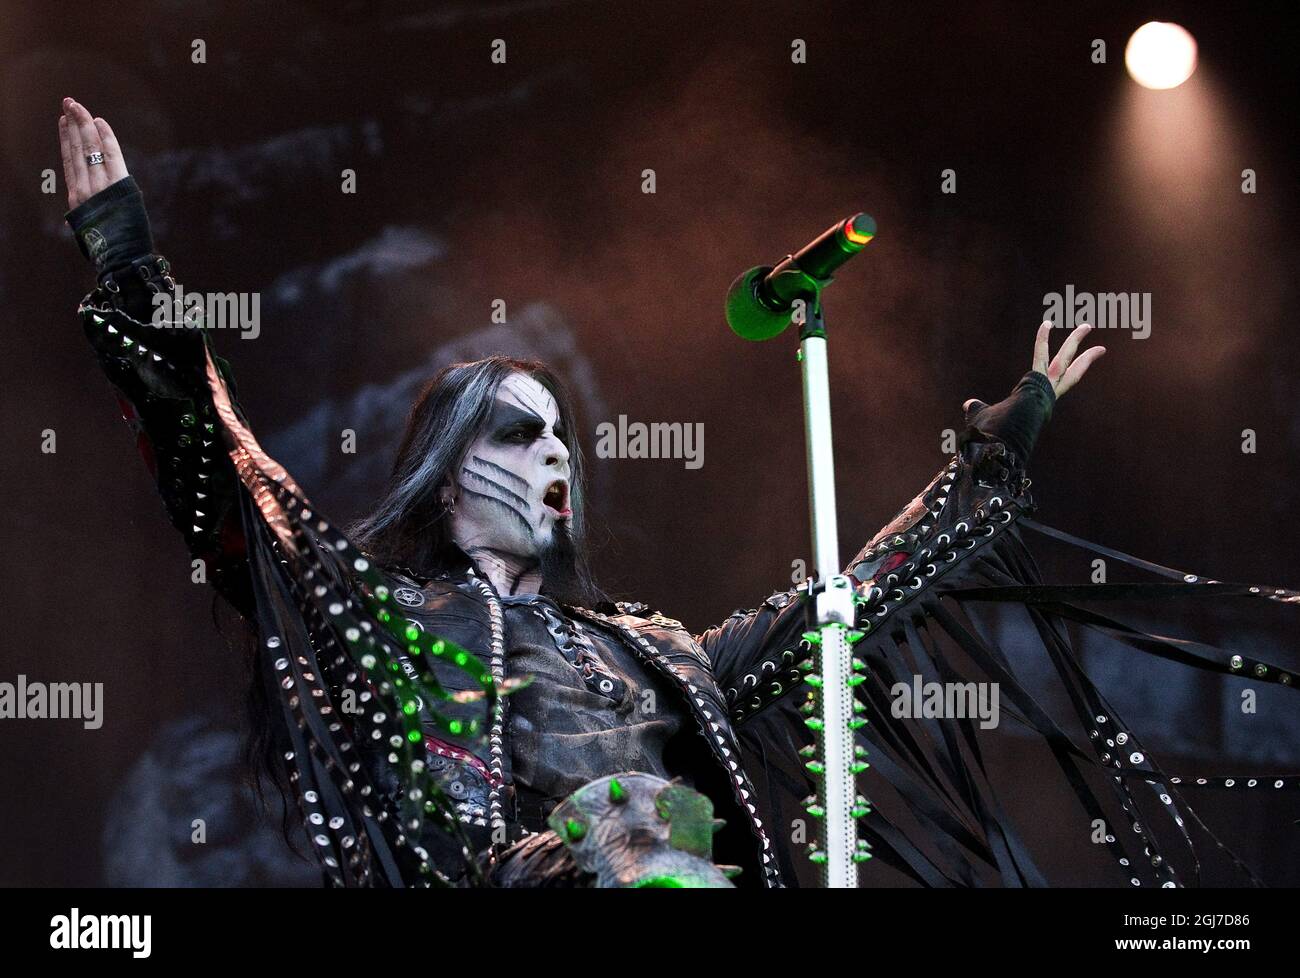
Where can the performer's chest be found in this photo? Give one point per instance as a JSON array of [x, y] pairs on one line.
[[580, 665]]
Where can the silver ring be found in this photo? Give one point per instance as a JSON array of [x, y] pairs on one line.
[[94, 158]]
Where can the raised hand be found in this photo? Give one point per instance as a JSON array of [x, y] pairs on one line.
[[1065, 369], [82, 139], [1017, 419]]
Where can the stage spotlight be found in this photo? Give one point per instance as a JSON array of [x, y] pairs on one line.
[[1160, 55]]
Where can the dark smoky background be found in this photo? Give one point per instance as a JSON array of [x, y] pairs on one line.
[[522, 182]]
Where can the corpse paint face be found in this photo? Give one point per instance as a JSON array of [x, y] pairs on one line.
[[513, 483]]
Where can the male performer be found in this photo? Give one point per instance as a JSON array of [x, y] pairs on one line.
[[447, 693]]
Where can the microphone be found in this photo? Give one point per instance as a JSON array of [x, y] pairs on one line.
[[759, 302]]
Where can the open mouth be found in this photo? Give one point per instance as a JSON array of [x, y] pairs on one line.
[[556, 498]]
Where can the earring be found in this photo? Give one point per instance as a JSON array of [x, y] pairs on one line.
[[450, 504]]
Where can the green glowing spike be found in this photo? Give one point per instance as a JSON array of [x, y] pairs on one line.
[[617, 793], [574, 830]]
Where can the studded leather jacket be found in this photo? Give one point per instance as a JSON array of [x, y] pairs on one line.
[[695, 670], [717, 680]]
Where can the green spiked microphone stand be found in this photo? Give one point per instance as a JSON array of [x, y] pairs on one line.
[[761, 304]]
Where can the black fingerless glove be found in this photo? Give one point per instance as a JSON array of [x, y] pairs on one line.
[[112, 227], [1017, 420]]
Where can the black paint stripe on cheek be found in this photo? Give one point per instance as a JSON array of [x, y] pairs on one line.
[[518, 481], [506, 493], [506, 506]]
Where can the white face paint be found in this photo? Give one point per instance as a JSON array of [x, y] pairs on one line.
[[512, 485]]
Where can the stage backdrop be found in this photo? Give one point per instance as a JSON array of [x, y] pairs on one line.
[[396, 200]]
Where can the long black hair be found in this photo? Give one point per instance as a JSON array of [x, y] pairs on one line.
[[408, 529]]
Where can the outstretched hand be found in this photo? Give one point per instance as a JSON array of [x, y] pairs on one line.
[[1065, 369], [80, 135]]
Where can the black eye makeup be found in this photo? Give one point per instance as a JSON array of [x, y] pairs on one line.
[[520, 434], [512, 424]]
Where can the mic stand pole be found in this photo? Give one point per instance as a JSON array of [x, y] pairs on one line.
[[830, 711]]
